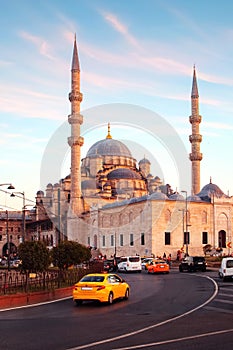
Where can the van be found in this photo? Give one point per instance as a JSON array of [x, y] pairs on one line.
[[130, 263], [226, 269]]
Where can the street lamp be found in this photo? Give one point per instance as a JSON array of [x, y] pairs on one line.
[[186, 222], [7, 240], [10, 187], [13, 194]]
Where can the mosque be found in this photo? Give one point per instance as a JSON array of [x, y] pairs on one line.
[[117, 207]]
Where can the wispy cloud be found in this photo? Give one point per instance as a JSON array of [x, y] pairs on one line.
[[219, 126], [41, 44], [121, 28]]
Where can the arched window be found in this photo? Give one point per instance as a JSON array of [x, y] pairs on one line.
[[222, 239], [168, 215], [204, 217]]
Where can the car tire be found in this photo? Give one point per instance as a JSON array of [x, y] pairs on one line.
[[126, 297], [78, 302], [180, 269], [110, 298]]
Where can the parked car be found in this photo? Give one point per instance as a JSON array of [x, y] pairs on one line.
[[145, 262], [102, 287], [130, 263], [193, 263], [158, 266], [226, 269]]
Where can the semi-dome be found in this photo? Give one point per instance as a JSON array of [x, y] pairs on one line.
[[109, 147], [123, 173]]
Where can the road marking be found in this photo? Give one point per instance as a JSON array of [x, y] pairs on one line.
[[223, 301], [34, 305], [218, 309], [175, 340], [85, 346]]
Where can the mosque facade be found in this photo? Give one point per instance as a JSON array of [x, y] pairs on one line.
[[117, 207]]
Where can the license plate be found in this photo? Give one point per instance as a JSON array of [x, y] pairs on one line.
[[86, 288], [162, 266]]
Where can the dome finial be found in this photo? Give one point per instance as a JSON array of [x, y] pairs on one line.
[[210, 179], [109, 135]]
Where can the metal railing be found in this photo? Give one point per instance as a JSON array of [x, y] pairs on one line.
[[12, 282]]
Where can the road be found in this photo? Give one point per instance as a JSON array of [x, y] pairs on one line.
[[165, 312]]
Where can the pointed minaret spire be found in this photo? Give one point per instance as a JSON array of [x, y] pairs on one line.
[[194, 86], [75, 59], [195, 139], [109, 135], [75, 140]]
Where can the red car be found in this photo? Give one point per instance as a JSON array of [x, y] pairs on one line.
[[158, 266]]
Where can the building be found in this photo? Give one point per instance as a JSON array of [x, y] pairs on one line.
[[117, 207]]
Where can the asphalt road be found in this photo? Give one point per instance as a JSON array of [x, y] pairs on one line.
[[175, 311]]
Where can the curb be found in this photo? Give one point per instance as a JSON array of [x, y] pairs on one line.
[[24, 299]]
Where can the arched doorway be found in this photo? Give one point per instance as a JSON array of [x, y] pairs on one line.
[[222, 239], [13, 250]]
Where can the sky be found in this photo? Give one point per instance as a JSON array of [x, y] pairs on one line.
[[132, 53]]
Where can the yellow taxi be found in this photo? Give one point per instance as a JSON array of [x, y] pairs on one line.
[[102, 287], [158, 266]]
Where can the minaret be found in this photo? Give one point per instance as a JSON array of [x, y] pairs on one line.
[[195, 139], [75, 140]]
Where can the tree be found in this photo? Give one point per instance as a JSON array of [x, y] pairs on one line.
[[34, 255], [69, 253]]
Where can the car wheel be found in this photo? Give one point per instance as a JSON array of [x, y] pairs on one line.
[[126, 294], [78, 302], [110, 298], [180, 269]]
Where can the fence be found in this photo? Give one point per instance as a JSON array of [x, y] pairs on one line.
[[12, 282]]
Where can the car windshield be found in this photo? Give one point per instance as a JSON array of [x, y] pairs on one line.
[[92, 279]]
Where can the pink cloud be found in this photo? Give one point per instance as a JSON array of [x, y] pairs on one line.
[[42, 45]]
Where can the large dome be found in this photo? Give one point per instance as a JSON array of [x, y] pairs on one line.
[[109, 147]]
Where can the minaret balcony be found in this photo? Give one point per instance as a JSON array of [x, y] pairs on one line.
[[195, 156], [75, 118], [75, 96], [75, 141], [195, 119], [195, 138]]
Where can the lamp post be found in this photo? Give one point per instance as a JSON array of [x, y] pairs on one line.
[[13, 194], [186, 222], [7, 240]]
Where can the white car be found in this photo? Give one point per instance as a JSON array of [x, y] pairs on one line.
[[226, 269], [130, 263]]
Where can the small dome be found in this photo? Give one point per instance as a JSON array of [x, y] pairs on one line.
[[210, 189], [109, 147], [194, 198], [124, 173], [177, 197], [49, 186], [40, 193], [144, 161], [158, 195]]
